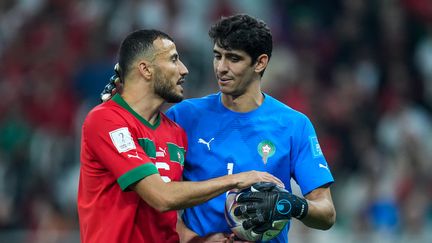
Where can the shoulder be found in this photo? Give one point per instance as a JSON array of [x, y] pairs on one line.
[[275, 107], [197, 103], [169, 122], [189, 111], [105, 112], [172, 126]]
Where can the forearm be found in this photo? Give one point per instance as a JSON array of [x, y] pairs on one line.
[[188, 194], [321, 213], [178, 195]]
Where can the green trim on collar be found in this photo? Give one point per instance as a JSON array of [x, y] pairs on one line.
[[119, 100], [136, 174]]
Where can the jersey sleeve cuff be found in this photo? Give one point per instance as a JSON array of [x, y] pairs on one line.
[[307, 189], [136, 174]]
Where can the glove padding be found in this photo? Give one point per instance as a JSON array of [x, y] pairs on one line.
[[111, 88], [265, 204]]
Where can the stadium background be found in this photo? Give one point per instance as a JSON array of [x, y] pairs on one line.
[[360, 69]]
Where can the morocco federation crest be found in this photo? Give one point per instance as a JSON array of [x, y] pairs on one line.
[[266, 149]]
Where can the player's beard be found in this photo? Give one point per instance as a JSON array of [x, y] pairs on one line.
[[166, 88]]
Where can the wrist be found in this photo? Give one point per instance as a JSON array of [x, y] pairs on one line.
[[303, 208], [232, 182], [291, 205]]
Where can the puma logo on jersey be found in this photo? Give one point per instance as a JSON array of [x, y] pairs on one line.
[[134, 156], [206, 143], [323, 166], [161, 152]]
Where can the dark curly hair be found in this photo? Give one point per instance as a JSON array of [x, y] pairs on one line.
[[243, 32], [136, 44]]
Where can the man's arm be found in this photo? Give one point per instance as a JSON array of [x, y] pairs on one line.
[[321, 213], [179, 195]]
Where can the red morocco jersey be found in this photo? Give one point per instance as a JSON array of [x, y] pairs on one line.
[[118, 149]]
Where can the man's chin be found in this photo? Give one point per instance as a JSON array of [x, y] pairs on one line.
[[174, 99], [226, 91]]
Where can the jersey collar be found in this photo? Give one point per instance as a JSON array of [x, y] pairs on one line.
[[119, 100], [255, 111]]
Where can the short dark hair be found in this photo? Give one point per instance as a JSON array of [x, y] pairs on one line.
[[243, 32], [137, 44]]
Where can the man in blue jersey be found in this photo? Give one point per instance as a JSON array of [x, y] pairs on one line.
[[241, 128]]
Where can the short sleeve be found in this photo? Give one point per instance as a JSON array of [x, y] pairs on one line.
[[310, 168], [113, 143]]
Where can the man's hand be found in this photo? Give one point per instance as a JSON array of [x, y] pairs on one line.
[[266, 204], [249, 178], [109, 89], [113, 86]]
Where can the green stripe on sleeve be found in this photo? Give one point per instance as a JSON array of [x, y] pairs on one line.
[[176, 153], [136, 174], [148, 146]]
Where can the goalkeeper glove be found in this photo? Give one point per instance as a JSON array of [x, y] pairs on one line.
[[266, 203], [108, 90], [111, 87]]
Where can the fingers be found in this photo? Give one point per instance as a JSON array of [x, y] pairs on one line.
[[260, 229], [107, 92], [247, 179], [257, 220], [244, 210], [263, 186], [275, 180], [267, 177], [114, 78], [249, 197], [234, 239]]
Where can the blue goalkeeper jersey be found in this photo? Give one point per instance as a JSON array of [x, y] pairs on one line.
[[272, 138]]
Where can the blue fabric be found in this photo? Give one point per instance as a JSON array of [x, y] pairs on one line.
[[272, 138]]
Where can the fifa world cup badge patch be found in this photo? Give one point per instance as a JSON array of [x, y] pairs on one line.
[[266, 149], [122, 139], [315, 147]]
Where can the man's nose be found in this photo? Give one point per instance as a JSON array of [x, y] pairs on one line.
[[183, 69], [221, 66]]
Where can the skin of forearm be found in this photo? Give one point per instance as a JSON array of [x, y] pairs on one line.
[[193, 193], [179, 195], [321, 213]]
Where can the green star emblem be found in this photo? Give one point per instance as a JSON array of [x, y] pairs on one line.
[[266, 149]]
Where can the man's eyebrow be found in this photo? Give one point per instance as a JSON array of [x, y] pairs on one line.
[[228, 53], [232, 54]]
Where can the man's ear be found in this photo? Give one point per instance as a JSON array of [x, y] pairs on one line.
[[145, 69], [261, 63]]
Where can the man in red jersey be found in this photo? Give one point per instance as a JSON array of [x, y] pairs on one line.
[[132, 155]]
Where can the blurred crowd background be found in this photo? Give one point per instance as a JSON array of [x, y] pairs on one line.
[[360, 69]]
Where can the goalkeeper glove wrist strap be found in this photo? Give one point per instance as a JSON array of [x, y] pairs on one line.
[[292, 205]]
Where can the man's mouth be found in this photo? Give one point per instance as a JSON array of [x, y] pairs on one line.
[[181, 81], [224, 80]]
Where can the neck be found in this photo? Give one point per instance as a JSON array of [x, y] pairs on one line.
[[146, 104], [248, 101]]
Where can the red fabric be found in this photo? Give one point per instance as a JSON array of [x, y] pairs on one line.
[[106, 213]]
